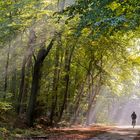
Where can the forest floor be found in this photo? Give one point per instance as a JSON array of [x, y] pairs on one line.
[[89, 133]]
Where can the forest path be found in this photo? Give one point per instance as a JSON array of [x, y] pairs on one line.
[[119, 133], [99, 132]]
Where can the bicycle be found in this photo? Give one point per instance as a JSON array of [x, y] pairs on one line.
[[133, 123]]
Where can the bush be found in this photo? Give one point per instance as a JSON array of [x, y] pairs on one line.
[[4, 107]]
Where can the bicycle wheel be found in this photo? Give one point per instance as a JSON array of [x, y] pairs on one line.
[[133, 123]]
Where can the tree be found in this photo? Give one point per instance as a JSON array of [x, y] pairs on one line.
[[42, 54]]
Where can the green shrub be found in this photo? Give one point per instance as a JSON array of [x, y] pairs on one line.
[[4, 107]]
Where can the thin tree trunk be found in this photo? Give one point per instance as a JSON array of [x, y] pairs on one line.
[[6, 72], [21, 86], [61, 5], [89, 99], [68, 58], [77, 102], [55, 84], [14, 84], [25, 88]]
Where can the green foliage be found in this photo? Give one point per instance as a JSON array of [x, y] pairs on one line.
[[16, 16], [4, 133], [105, 16], [4, 107]]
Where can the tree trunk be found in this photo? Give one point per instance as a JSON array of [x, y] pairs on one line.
[[78, 99], [55, 84], [24, 88], [21, 86], [61, 5], [23, 83], [68, 58], [6, 72], [93, 91], [14, 84], [35, 82]]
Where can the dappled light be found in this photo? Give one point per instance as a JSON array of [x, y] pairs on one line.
[[70, 69]]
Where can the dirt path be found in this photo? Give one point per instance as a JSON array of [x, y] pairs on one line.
[[90, 133], [119, 133]]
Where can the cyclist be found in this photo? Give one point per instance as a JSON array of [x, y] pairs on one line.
[[134, 117]]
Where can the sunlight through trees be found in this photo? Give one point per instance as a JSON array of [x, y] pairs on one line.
[[69, 62]]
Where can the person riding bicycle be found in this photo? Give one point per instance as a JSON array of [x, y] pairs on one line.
[[134, 117]]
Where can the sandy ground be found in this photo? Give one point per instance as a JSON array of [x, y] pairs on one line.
[[119, 133]]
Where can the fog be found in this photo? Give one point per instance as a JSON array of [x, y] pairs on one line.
[[116, 110]]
